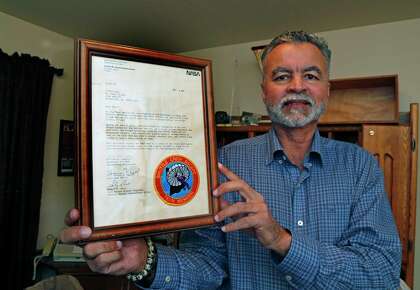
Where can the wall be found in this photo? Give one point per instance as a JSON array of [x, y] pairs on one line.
[[392, 48], [23, 37]]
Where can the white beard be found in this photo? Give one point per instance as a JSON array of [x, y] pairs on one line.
[[296, 118]]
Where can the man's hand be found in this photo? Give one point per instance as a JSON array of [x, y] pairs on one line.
[[251, 214], [106, 257]]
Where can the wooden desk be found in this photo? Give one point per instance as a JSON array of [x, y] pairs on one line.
[[88, 279]]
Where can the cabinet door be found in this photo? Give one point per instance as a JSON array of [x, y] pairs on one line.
[[391, 145]]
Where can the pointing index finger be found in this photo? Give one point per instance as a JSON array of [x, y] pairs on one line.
[[229, 174], [235, 183]]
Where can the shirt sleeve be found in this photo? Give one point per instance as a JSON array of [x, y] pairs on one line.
[[200, 263], [368, 254]]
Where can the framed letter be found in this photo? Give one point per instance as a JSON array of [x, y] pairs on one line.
[[146, 149]]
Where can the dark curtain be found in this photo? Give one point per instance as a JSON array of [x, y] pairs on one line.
[[25, 87]]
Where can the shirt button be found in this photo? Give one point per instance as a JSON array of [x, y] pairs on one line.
[[168, 279], [300, 223], [288, 278]]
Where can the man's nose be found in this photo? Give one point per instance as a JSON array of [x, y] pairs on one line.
[[296, 85]]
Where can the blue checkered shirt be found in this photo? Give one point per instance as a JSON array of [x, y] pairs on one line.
[[343, 232]]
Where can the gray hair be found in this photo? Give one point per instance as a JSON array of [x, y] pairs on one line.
[[299, 37]]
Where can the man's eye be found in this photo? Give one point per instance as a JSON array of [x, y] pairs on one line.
[[282, 77], [311, 77]]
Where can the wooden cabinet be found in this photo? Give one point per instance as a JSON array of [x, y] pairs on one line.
[[394, 146], [373, 123]]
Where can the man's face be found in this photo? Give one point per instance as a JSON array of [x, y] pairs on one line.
[[295, 85]]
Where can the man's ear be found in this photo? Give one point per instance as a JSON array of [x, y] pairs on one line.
[[329, 87], [263, 96]]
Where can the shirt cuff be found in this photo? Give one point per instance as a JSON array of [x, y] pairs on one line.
[[301, 264], [166, 276]]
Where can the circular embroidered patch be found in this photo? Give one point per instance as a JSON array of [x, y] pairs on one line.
[[176, 180]]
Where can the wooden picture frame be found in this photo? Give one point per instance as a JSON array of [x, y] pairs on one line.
[[65, 166], [146, 146]]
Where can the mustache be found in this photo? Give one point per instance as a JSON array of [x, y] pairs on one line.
[[296, 97]]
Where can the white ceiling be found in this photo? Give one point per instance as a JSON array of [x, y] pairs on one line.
[[184, 25]]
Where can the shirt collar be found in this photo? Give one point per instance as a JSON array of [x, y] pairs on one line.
[[274, 146]]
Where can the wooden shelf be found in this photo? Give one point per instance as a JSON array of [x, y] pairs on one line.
[[363, 100]]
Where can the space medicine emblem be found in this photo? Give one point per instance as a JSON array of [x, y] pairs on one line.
[[176, 180]]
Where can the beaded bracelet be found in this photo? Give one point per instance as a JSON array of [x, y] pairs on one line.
[[151, 259]]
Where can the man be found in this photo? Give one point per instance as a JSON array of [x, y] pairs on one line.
[[298, 212]]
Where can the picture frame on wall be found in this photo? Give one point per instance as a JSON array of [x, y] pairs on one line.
[[65, 165], [145, 135]]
